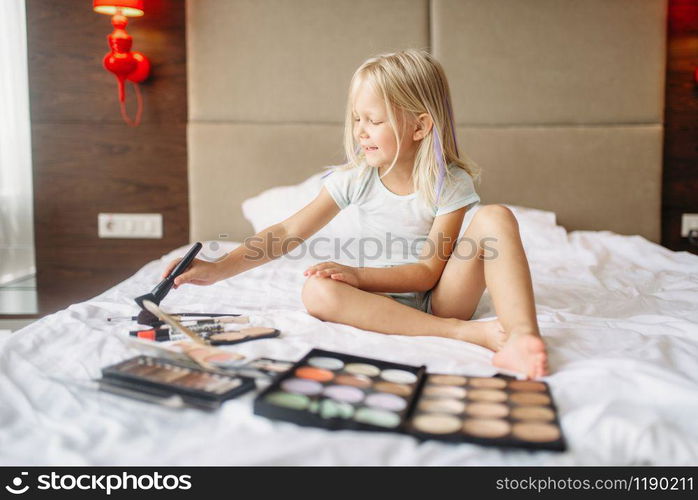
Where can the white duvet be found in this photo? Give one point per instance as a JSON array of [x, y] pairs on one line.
[[619, 315]]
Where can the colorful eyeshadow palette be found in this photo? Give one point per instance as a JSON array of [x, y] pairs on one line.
[[339, 391], [161, 377], [487, 410]]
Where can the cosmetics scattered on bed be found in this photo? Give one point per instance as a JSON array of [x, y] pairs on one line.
[[214, 330], [163, 378], [157, 335], [211, 335], [339, 391], [243, 335], [186, 317]]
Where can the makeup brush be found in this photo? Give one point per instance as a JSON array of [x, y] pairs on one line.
[[162, 289], [176, 325], [219, 320], [188, 316], [200, 323]]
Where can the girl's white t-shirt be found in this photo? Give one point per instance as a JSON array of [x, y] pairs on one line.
[[394, 228]]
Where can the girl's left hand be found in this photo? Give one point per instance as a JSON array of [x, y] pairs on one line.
[[339, 272]]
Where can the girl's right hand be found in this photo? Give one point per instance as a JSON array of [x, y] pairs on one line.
[[199, 272]]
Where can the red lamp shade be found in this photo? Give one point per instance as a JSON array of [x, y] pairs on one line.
[[129, 8], [124, 63]]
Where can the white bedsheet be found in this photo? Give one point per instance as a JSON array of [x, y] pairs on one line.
[[619, 315]]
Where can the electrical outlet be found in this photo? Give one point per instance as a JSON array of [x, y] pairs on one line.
[[129, 225], [688, 223]]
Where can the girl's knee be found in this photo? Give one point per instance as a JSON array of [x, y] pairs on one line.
[[319, 296], [491, 215]]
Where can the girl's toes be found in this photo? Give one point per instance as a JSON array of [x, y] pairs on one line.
[[540, 366]]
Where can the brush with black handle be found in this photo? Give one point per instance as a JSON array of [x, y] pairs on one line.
[[158, 293]]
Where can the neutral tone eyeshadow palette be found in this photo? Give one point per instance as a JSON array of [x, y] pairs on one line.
[[339, 391], [161, 377], [487, 410]]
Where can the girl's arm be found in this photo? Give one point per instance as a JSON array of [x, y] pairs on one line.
[[423, 275], [266, 245], [280, 238], [420, 276]]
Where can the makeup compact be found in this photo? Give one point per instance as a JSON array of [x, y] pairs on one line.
[[339, 391], [238, 336], [163, 378]]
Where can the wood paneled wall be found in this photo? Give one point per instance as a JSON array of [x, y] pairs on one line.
[[680, 179], [86, 160]]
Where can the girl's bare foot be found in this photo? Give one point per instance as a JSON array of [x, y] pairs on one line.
[[523, 353], [489, 334]]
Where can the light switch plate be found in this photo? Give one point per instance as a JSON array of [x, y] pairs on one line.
[[130, 226], [688, 222]]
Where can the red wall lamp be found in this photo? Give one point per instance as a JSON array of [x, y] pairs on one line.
[[121, 60]]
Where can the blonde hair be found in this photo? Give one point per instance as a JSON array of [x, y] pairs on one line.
[[414, 82]]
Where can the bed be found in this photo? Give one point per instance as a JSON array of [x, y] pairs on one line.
[[618, 314]]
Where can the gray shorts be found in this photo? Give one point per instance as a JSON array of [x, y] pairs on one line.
[[417, 300]]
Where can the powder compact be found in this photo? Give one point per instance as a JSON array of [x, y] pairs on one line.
[[339, 391], [243, 335], [163, 378]]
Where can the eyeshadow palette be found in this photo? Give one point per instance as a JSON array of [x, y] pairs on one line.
[[160, 376], [341, 391], [487, 410]]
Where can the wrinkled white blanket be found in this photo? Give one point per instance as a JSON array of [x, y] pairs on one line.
[[619, 314]]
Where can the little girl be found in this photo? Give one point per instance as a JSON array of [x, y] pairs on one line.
[[406, 176]]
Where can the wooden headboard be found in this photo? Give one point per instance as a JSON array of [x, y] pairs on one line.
[[559, 101]]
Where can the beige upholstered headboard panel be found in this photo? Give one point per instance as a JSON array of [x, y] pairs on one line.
[[559, 101]]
